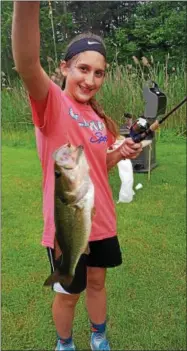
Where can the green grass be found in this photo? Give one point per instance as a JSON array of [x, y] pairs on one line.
[[146, 295]]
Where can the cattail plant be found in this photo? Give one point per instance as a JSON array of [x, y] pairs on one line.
[[145, 61], [136, 61], [121, 92]]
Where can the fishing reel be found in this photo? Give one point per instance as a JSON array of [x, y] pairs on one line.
[[155, 106], [140, 130]]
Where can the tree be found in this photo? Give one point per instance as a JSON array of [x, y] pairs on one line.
[[160, 28], [6, 50], [130, 28]]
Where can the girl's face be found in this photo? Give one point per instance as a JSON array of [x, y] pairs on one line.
[[84, 75]]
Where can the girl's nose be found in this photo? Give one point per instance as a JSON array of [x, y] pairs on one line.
[[89, 79]]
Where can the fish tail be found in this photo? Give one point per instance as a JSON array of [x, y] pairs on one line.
[[57, 277], [66, 280], [53, 278]]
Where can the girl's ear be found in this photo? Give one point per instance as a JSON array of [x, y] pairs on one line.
[[64, 68]]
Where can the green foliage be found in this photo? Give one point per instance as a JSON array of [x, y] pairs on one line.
[[16, 114], [130, 28], [6, 51], [119, 48], [63, 26], [160, 28]]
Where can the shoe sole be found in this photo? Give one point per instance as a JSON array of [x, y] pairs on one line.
[[92, 348]]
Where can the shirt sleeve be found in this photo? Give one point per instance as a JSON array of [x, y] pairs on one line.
[[46, 112]]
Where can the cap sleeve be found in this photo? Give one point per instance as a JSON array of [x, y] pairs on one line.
[[46, 112]]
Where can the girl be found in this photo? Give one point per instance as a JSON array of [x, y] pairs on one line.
[[73, 115]]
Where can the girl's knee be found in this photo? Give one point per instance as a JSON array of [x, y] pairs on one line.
[[96, 279], [69, 300]]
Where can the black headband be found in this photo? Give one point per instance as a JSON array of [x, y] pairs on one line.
[[85, 44]]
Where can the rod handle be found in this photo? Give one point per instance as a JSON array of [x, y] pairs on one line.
[[154, 126]]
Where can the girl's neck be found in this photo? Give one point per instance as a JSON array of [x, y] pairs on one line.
[[72, 97]]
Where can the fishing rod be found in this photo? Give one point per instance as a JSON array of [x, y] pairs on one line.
[[155, 106]]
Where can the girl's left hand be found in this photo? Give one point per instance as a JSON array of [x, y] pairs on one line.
[[129, 149]]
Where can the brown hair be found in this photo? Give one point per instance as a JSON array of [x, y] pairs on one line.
[[110, 124]]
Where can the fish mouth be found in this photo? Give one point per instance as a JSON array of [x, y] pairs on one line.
[[69, 157], [75, 155]]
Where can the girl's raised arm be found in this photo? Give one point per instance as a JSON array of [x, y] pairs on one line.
[[26, 48]]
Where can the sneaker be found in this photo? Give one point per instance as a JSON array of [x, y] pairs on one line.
[[99, 342], [64, 346]]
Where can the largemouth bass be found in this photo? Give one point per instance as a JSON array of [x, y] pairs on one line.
[[74, 209]]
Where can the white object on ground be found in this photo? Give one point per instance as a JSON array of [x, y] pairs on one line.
[[126, 175], [138, 186]]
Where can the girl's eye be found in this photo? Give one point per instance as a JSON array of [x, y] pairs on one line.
[[99, 74], [83, 69]]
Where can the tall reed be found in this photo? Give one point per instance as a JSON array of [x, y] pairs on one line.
[[121, 92]]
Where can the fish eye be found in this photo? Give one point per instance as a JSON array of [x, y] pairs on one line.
[[57, 174]]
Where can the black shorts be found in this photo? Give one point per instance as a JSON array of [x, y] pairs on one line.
[[103, 253]]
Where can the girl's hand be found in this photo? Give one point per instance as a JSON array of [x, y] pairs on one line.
[[129, 149]]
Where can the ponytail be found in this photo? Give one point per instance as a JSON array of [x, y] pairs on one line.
[[110, 124]]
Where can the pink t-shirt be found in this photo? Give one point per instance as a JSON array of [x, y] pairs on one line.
[[66, 120]]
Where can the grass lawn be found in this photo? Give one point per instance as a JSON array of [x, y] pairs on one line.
[[146, 295]]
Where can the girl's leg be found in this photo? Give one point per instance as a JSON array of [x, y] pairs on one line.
[[63, 313], [96, 294], [96, 306]]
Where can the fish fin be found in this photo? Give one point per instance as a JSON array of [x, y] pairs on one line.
[[53, 278], [66, 280], [93, 212], [87, 250], [57, 249], [56, 277]]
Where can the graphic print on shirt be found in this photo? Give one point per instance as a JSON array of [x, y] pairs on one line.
[[97, 127]]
